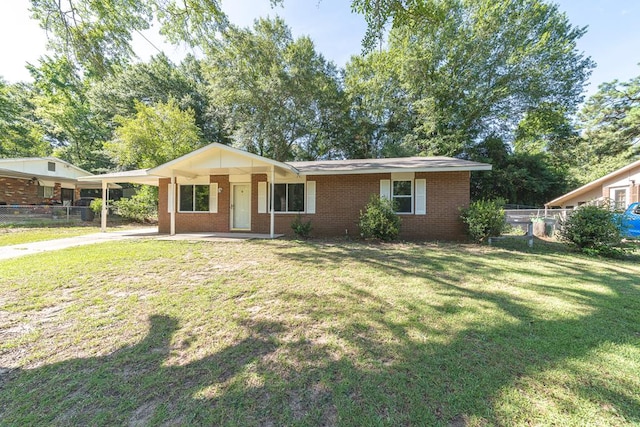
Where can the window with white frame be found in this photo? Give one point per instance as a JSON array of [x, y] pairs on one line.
[[288, 197], [620, 199], [45, 191], [194, 198], [402, 195]]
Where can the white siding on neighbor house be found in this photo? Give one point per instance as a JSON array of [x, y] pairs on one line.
[[583, 198], [627, 178], [41, 167]]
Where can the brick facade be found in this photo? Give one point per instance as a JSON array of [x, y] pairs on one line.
[[339, 199], [19, 191], [15, 191]]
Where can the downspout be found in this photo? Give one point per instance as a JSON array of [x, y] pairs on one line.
[[172, 208], [103, 217], [272, 224]]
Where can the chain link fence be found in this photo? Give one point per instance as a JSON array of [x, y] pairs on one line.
[[545, 222], [44, 214]]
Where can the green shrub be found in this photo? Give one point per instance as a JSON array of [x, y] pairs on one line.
[[301, 228], [141, 207], [484, 219], [96, 206], [379, 220], [594, 230]]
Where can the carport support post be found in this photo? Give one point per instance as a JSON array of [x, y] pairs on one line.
[[172, 208], [272, 218], [103, 216]]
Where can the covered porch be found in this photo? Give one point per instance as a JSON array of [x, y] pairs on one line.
[[212, 191]]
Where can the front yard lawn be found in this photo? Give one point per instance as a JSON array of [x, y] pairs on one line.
[[20, 235], [318, 333]]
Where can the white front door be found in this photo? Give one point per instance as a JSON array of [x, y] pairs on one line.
[[241, 207]]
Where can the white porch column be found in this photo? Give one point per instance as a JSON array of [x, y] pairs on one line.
[[103, 216], [172, 209], [272, 225]]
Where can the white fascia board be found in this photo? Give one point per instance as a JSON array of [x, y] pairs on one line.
[[223, 148]]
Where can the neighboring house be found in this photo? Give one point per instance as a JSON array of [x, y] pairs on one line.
[[222, 189], [621, 187], [39, 180]]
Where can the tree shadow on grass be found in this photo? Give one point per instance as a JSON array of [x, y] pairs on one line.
[[132, 385], [465, 377], [374, 364]]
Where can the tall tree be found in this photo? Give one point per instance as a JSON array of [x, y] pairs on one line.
[[155, 135], [97, 34], [520, 178], [21, 134], [610, 121], [153, 82], [477, 69], [279, 97], [379, 116], [72, 128]]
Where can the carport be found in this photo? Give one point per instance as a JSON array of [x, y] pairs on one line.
[[139, 176]]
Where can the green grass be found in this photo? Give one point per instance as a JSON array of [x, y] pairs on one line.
[[21, 235], [18, 235], [318, 333]]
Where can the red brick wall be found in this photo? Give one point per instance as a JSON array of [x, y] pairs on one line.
[[339, 199], [192, 222], [16, 191], [447, 192], [57, 191]]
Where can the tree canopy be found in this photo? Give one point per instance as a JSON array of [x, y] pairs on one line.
[[21, 134], [97, 34], [473, 73], [279, 98], [497, 81], [610, 121], [155, 135]]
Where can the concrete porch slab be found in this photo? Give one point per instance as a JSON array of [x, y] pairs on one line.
[[218, 236]]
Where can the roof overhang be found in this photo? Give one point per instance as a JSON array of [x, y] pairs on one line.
[[49, 180], [591, 185], [219, 159], [140, 176]]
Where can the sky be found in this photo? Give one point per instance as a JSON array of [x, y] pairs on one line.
[[612, 39]]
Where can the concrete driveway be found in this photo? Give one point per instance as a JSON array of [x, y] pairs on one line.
[[14, 251]]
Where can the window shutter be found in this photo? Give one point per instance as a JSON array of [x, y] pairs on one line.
[[262, 197], [170, 198], [421, 196], [213, 197], [385, 188], [311, 197]]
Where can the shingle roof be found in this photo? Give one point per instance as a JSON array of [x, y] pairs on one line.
[[398, 164]]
